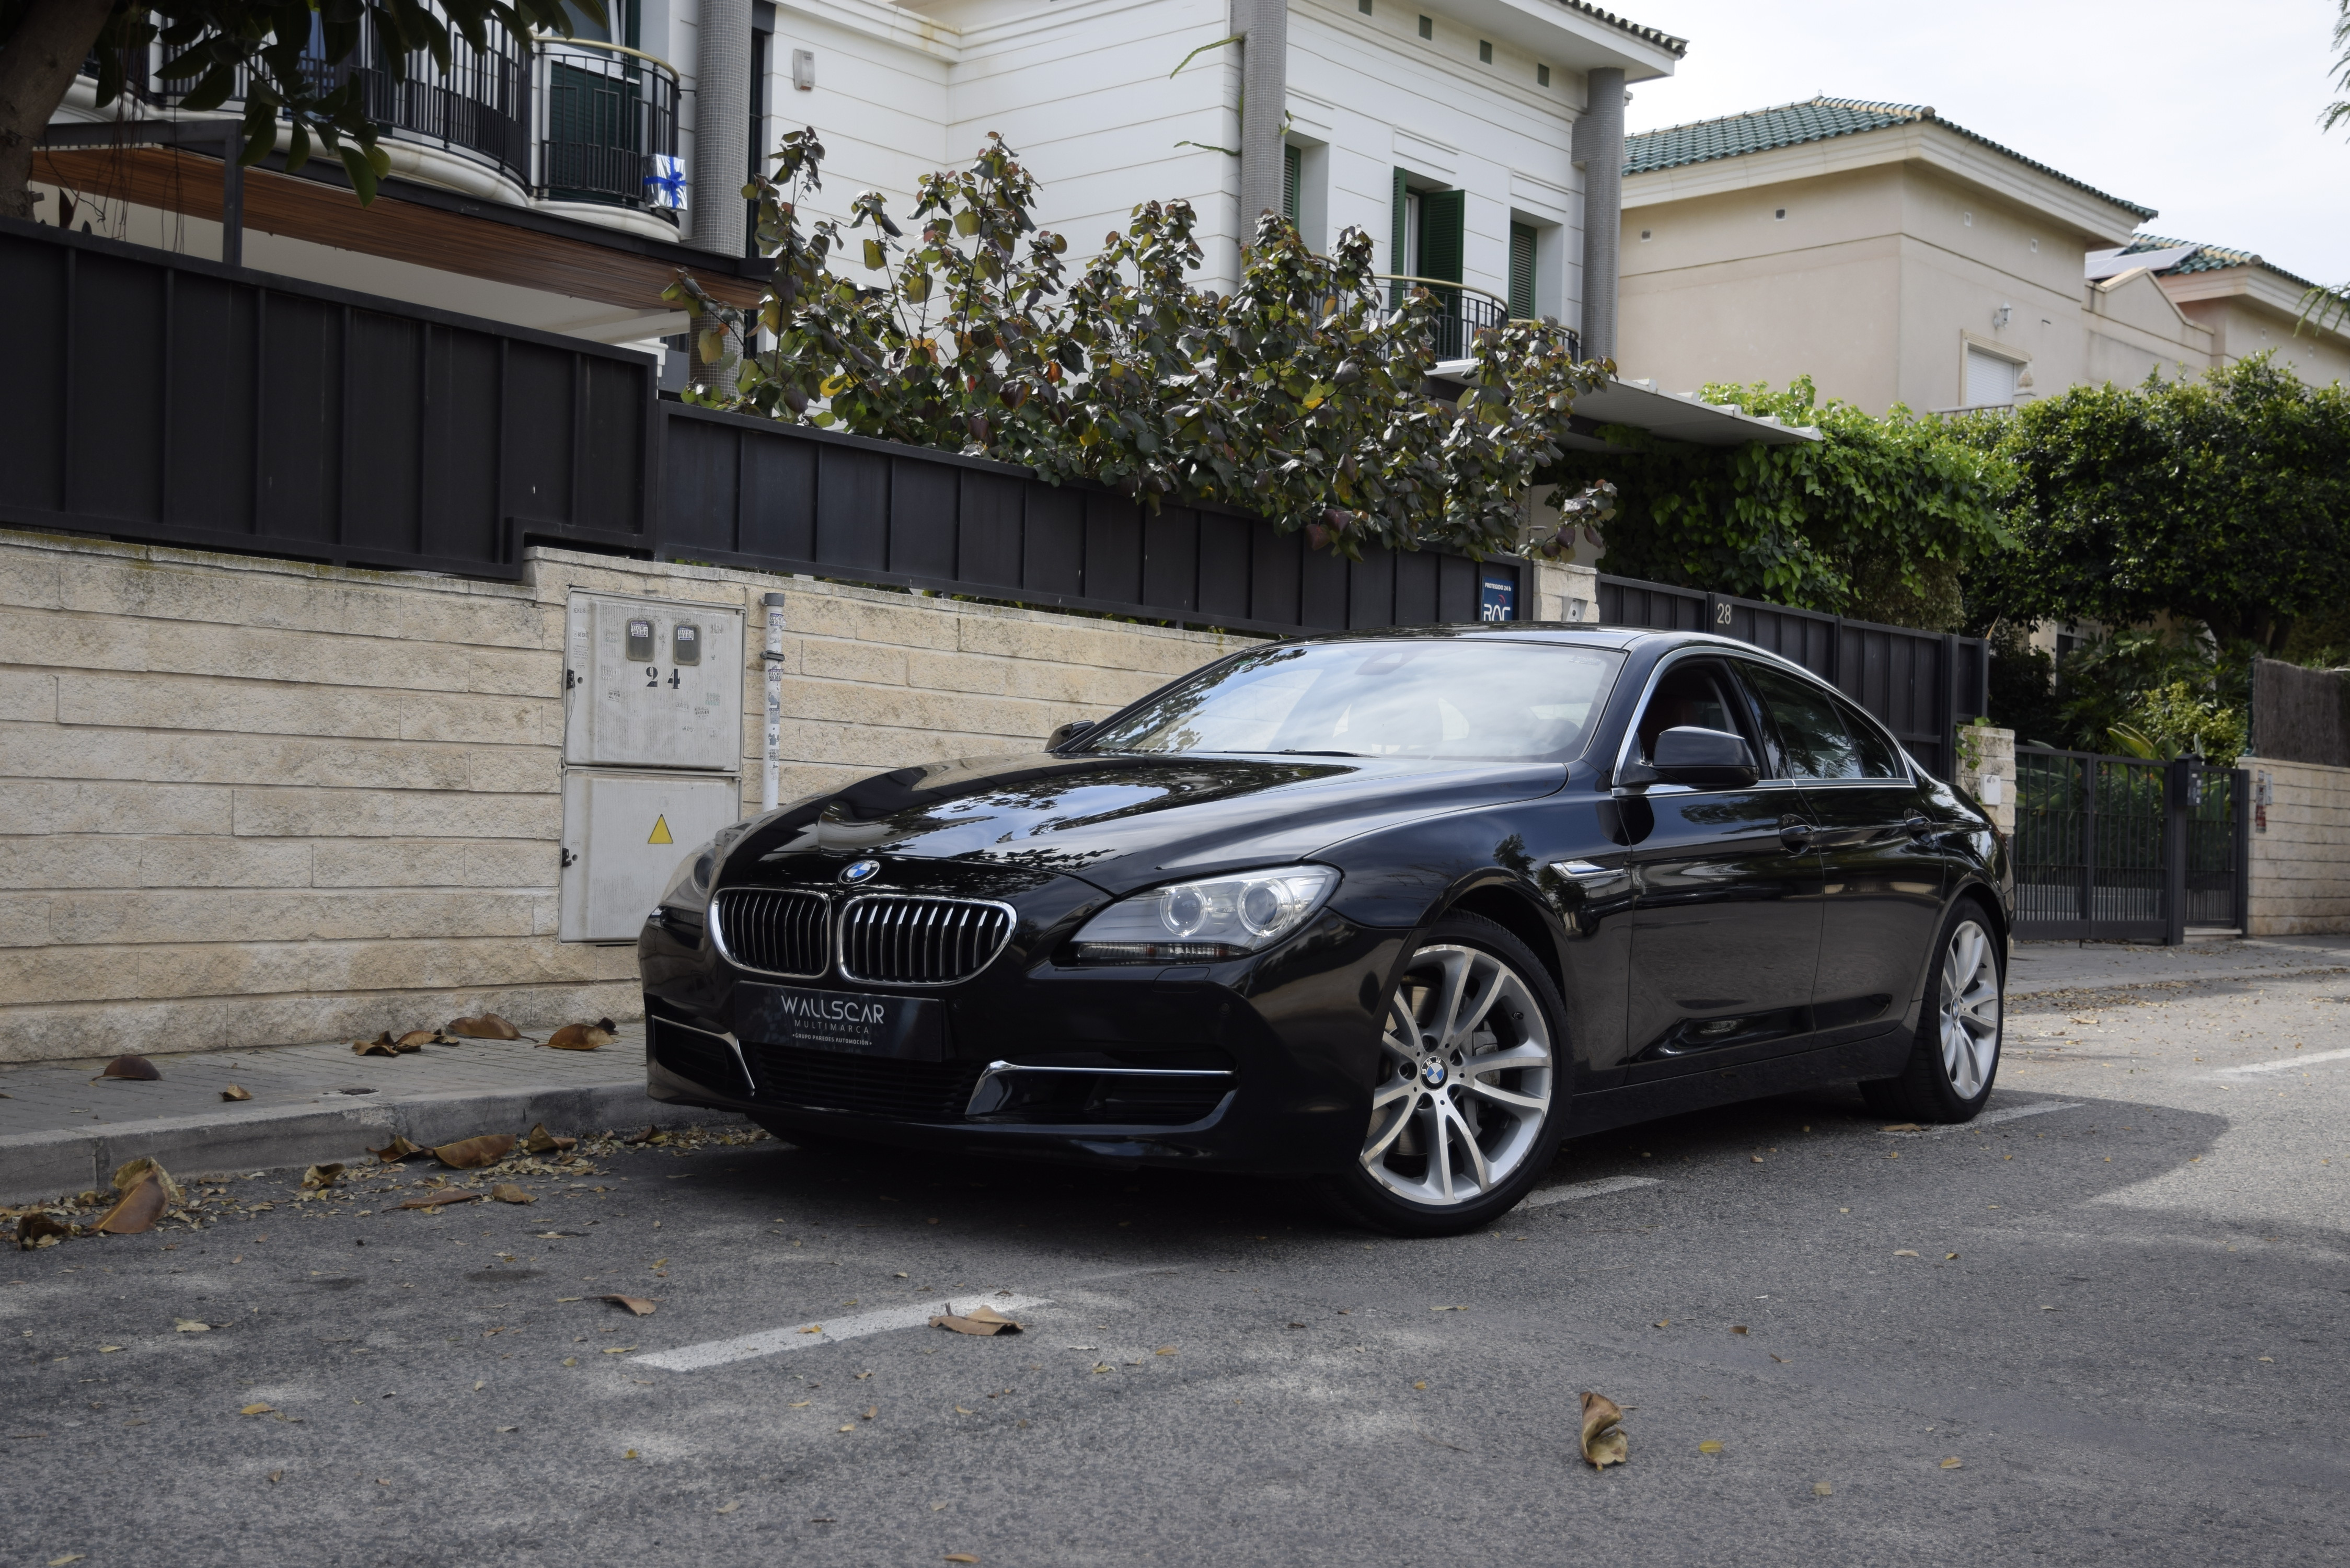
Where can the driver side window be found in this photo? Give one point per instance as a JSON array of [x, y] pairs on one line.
[[1695, 693]]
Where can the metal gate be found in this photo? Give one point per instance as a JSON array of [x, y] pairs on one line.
[[2121, 850]]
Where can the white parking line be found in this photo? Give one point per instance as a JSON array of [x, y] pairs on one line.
[[2284, 1064], [808, 1335], [1572, 1191]]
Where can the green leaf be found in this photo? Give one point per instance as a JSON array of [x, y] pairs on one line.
[[875, 257], [356, 165]]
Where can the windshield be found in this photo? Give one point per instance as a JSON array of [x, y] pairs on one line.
[[1485, 700]]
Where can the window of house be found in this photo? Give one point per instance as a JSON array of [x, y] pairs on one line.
[[1292, 160], [1427, 28], [1364, 6], [1484, 51], [1990, 379], [1522, 272], [1542, 76]]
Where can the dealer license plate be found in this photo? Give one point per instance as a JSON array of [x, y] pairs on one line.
[[852, 1022]]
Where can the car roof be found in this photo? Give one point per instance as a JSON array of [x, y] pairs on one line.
[[1622, 638]]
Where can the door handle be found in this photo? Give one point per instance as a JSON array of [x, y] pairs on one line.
[[1795, 834], [1916, 827]]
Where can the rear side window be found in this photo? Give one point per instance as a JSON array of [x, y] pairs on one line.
[[1812, 736], [1878, 757]]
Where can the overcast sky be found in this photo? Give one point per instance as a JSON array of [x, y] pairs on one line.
[[2206, 111]]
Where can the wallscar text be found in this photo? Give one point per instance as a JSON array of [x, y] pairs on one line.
[[838, 1009]]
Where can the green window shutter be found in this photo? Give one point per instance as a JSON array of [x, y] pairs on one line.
[[1291, 160], [1398, 225], [1522, 273], [1442, 216]]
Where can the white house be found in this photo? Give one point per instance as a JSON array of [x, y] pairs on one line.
[[1465, 135]]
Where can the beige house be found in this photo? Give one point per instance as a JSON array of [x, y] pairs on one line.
[[2247, 306], [1898, 258]]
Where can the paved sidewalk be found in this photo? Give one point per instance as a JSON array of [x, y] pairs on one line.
[[60, 1132], [2073, 966]]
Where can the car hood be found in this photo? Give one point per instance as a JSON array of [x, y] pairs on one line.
[[1123, 822]]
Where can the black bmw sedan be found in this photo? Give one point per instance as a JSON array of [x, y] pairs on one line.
[[1393, 911]]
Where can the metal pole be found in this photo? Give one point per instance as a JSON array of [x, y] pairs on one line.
[[232, 196], [2175, 782], [771, 770]]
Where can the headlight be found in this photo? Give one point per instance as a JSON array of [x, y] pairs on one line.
[[689, 890], [1194, 923]]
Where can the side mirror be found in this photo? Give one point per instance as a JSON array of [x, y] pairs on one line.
[[1686, 754], [1067, 732]]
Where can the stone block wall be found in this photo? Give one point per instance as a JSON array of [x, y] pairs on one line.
[[249, 802], [2300, 857], [1985, 752]]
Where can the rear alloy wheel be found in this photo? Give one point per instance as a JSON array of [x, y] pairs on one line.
[[1462, 1118], [1955, 1057]]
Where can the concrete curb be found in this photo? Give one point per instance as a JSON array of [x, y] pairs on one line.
[[35, 1167]]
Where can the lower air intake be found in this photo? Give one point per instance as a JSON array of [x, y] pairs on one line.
[[864, 1085]]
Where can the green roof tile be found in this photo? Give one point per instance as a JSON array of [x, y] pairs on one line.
[[1814, 119], [2207, 259]]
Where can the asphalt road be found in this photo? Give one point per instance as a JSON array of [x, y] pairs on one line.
[[2119, 1307]]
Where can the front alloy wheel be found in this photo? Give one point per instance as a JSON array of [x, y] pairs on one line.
[[1461, 1121], [1955, 1055]]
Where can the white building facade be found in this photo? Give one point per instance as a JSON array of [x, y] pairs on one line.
[[1461, 134]]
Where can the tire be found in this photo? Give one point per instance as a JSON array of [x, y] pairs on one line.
[[1450, 1145], [1955, 1058]]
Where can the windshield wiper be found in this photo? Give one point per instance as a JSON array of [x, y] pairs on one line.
[[1294, 751]]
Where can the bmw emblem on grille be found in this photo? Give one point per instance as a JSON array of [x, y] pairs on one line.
[[860, 870]]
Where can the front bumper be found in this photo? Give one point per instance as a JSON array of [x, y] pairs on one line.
[[1260, 1064]]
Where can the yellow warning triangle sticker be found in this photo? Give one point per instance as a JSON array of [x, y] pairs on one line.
[[660, 832]]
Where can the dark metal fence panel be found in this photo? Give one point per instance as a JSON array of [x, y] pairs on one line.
[[162, 397], [1918, 684], [2118, 849], [749, 492]]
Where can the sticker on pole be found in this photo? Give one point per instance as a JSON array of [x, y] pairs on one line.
[[660, 831]]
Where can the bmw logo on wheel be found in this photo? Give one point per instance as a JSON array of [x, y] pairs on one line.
[[1433, 1071], [860, 870]]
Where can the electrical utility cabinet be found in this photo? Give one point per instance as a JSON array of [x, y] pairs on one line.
[[652, 752]]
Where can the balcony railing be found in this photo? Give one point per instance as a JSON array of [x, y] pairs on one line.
[[563, 119], [1468, 310]]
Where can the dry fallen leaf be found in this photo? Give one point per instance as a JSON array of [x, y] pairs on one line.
[[321, 1177], [1953, 1464], [584, 1036], [871, 1411], [487, 1026], [127, 1174], [190, 1325], [650, 1135], [416, 1039], [1905, 1252], [639, 1306], [397, 1150], [1950, 1257], [959, 1557], [1738, 1328], [236, 1092], [137, 1211], [39, 1229], [446, 1195], [1603, 1440], [507, 1192], [257, 1409], [538, 1140], [1164, 1350], [134, 1067], [465, 1154], [1711, 1445], [277, 1476], [1822, 1488], [730, 1506], [382, 1044], [982, 1319], [1902, 1127]]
